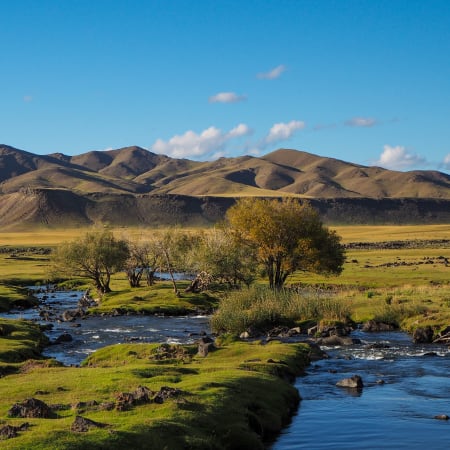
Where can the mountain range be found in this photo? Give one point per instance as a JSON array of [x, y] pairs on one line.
[[99, 186]]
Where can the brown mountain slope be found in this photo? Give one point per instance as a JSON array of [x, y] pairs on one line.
[[328, 178], [136, 170]]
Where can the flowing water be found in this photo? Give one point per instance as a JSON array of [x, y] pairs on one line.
[[405, 387], [91, 333]]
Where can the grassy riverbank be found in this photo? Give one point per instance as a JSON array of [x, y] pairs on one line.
[[236, 397], [408, 285]]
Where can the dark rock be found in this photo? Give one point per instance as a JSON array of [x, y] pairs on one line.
[[335, 330], [107, 406], [31, 408], [142, 394], [84, 405], [10, 431], [81, 424], [278, 332], [373, 326], [354, 382], [165, 393], [338, 340], [65, 337], [124, 401], [423, 335]]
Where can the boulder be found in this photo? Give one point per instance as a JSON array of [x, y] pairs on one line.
[[10, 431], [354, 382], [142, 394], [65, 337], [423, 335], [31, 408], [165, 393], [338, 340], [373, 326], [81, 424]]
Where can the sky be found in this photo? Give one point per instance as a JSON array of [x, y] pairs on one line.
[[364, 81]]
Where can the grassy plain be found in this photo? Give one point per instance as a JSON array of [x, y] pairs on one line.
[[375, 281], [235, 395], [349, 233]]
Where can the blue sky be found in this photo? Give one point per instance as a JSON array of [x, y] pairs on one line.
[[365, 81]]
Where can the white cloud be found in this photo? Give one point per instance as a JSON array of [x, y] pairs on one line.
[[191, 144], [240, 130], [272, 74], [397, 158], [283, 131], [226, 97], [446, 163], [361, 122]]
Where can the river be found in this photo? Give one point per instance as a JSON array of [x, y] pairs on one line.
[[91, 333], [405, 387]]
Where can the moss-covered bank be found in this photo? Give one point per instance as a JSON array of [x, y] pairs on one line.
[[159, 396]]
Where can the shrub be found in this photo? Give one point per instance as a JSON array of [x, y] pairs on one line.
[[263, 308]]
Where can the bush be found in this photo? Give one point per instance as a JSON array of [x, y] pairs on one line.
[[263, 308], [395, 314]]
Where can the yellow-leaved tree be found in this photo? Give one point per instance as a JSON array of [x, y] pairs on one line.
[[286, 236]]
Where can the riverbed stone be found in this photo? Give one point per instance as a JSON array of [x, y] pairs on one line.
[[338, 340], [374, 326], [354, 382], [442, 417], [65, 337], [423, 335]]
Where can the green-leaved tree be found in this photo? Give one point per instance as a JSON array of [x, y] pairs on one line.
[[96, 255]]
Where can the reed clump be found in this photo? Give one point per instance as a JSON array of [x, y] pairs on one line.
[[261, 308]]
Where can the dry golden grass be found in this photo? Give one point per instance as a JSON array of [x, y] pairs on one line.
[[380, 233], [357, 233]]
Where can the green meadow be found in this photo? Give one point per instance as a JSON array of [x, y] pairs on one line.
[[239, 393]]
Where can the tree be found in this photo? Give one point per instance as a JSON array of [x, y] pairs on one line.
[[287, 236], [97, 255], [172, 248], [142, 260], [217, 256]]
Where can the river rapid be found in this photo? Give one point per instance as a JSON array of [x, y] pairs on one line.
[[93, 332], [405, 387]]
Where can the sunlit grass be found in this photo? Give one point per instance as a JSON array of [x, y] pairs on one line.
[[217, 395]]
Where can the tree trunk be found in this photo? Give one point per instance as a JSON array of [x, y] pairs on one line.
[[270, 273]]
